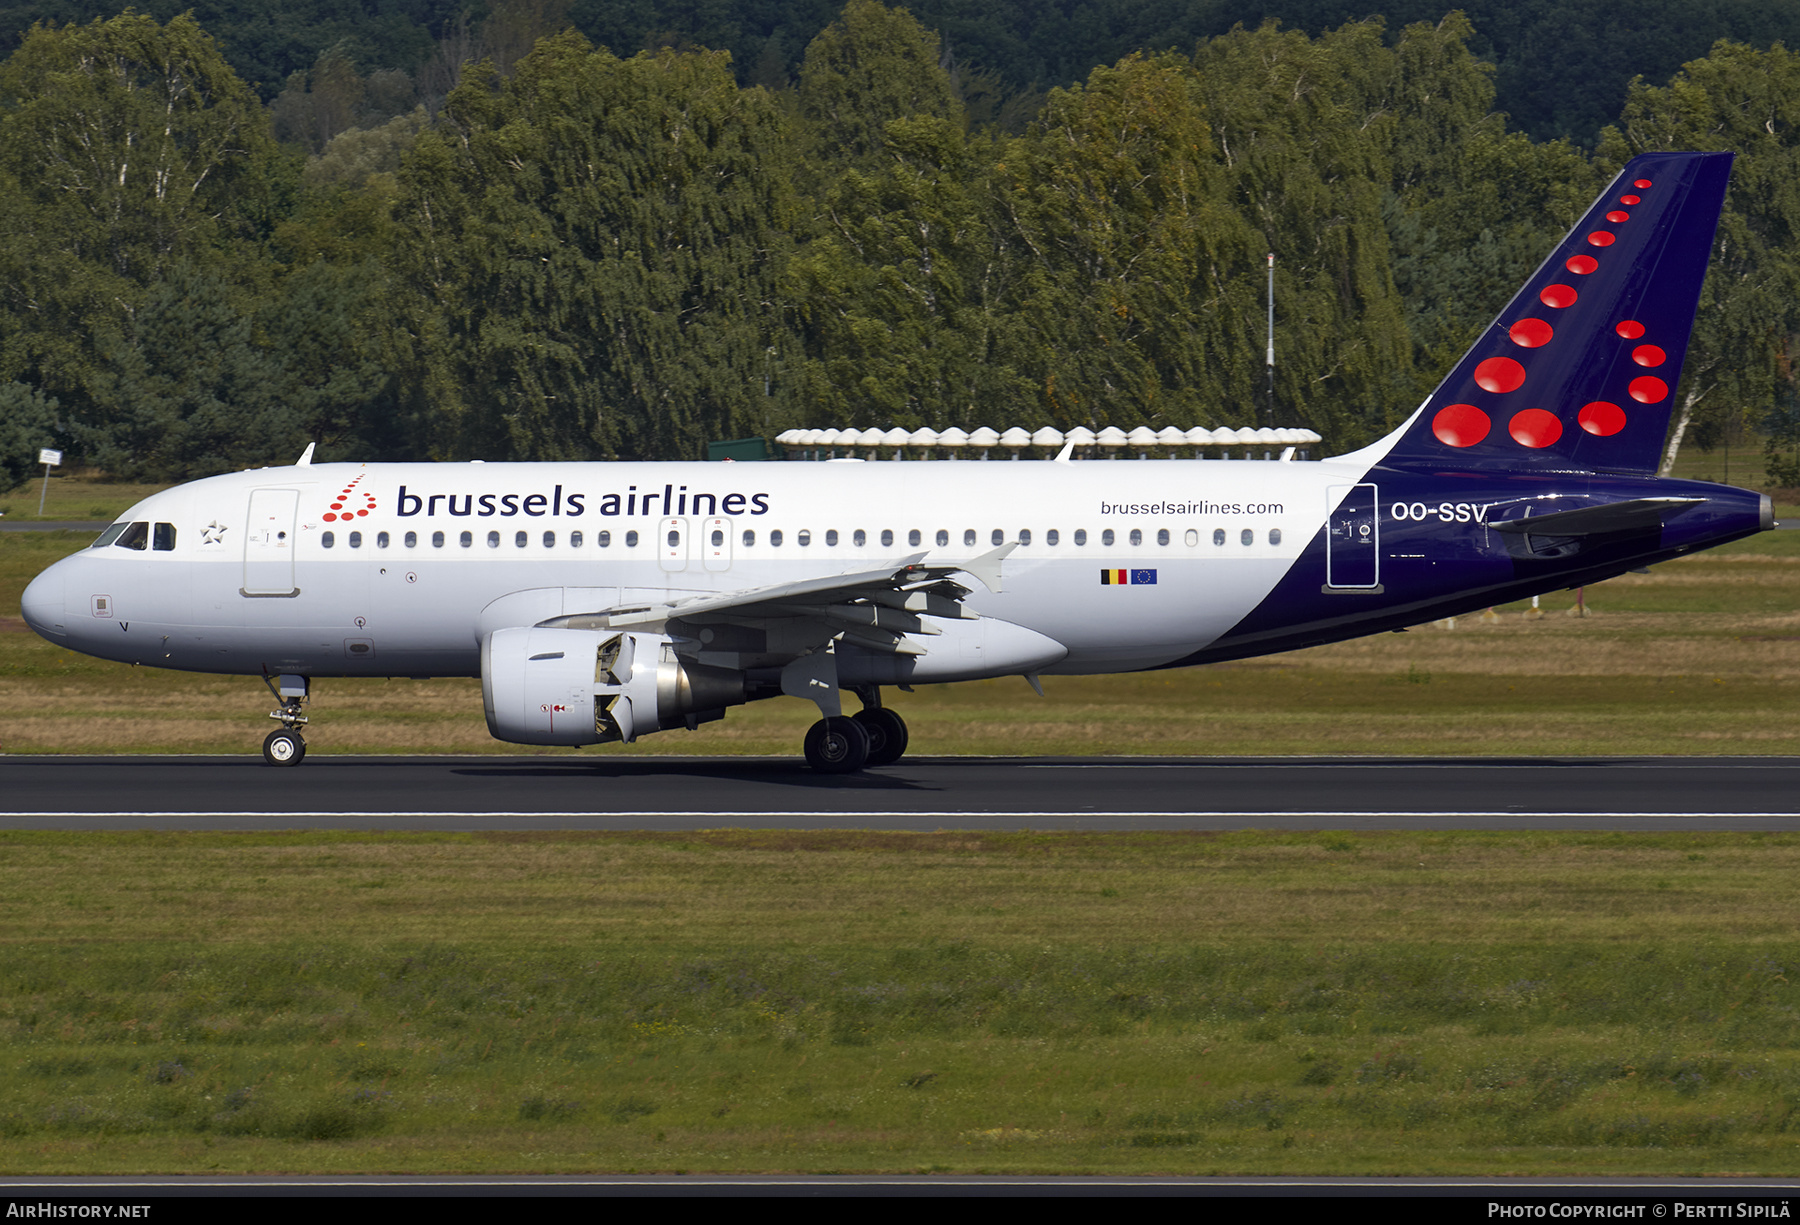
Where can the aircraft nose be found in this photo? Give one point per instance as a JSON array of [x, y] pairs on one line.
[[42, 603]]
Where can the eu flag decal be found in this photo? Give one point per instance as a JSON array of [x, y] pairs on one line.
[[1128, 578]]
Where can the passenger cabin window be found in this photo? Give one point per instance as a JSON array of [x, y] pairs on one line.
[[831, 537], [467, 540], [1137, 537], [943, 538], [328, 540], [859, 538], [1051, 537], [1218, 535], [1248, 537], [887, 538], [382, 540], [1106, 537], [749, 537], [631, 540], [356, 540], [520, 539], [1274, 535], [549, 540], [969, 536], [775, 539], [916, 537], [437, 540], [1024, 536], [1162, 535], [603, 539], [1081, 535], [574, 540], [803, 537], [412, 540], [718, 538], [493, 540]]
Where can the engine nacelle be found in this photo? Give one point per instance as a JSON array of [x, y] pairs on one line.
[[564, 686]]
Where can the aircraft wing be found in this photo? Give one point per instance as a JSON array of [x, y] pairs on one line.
[[874, 609]]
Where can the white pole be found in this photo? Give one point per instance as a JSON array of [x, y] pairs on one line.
[[44, 491], [1271, 353]]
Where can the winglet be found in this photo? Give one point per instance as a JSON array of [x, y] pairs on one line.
[[305, 460], [1062, 456]]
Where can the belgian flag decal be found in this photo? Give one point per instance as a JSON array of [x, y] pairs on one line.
[[1128, 578]]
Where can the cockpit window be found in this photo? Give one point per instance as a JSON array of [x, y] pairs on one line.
[[109, 535], [163, 539], [136, 536]]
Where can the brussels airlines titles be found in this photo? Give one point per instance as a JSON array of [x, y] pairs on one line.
[[673, 500]]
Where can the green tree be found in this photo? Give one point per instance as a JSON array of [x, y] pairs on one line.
[[901, 303], [1303, 143], [872, 65], [1746, 101], [27, 423], [127, 150], [1472, 208], [1136, 302], [140, 136], [592, 254], [185, 390]]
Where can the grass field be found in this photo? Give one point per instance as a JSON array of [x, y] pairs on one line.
[[955, 1002]]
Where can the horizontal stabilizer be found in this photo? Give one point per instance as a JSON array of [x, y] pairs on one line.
[[1637, 515]]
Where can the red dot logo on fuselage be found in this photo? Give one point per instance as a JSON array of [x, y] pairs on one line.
[[340, 505]]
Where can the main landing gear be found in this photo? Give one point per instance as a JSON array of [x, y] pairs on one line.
[[285, 746], [873, 736]]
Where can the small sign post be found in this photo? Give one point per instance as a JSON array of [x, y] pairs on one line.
[[50, 459]]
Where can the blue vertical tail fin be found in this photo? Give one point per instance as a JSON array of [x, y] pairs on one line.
[[1580, 370]]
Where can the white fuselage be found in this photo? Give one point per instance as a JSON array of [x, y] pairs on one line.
[[399, 569]]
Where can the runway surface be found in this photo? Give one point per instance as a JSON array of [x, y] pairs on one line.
[[926, 793]]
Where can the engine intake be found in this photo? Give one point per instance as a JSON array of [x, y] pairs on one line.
[[571, 687]]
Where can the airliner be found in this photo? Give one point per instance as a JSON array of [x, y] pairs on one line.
[[602, 602]]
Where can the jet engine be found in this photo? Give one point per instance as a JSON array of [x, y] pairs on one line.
[[566, 686]]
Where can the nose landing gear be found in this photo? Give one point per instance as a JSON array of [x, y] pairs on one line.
[[286, 747]]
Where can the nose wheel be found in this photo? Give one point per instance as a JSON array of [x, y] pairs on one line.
[[284, 748]]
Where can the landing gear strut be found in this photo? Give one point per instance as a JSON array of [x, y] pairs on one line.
[[836, 744], [286, 747]]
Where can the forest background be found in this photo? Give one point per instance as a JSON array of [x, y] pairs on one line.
[[551, 229]]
